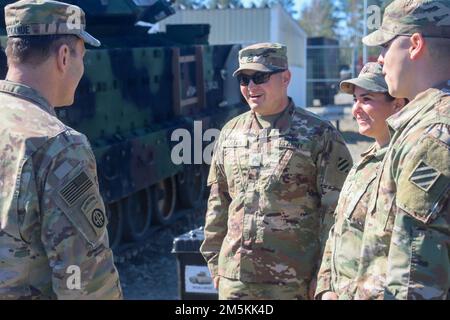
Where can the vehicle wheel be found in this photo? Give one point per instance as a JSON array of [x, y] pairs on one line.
[[191, 186], [166, 196], [139, 211], [115, 224]]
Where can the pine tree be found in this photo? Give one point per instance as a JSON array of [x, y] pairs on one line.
[[353, 30], [189, 3], [288, 5], [320, 19], [222, 3]]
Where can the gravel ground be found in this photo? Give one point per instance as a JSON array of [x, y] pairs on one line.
[[152, 274]]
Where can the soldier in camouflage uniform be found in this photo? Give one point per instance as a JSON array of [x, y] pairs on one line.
[[373, 105], [275, 178], [406, 243], [53, 238]]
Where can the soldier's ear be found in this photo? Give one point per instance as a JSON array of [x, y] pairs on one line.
[[62, 58], [286, 77], [399, 103], [416, 46]]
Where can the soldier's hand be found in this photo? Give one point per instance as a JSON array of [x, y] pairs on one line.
[[216, 282], [329, 295]]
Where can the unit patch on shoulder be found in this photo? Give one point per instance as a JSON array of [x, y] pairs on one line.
[[344, 165], [424, 176], [76, 188], [98, 218]]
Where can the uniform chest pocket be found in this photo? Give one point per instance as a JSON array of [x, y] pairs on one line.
[[358, 192], [236, 157], [290, 168]]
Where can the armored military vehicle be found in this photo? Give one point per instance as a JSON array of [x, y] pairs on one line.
[[143, 95], [201, 278]]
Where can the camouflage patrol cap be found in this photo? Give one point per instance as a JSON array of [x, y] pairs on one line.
[[370, 78], [45, 17], [431, 18], [264, 57]]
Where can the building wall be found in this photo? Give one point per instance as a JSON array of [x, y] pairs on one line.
[[285, 30], [228, 26], [248, 26], [297, 87]]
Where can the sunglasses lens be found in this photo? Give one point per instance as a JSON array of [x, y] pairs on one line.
[[260, 77], [257, 78], [244, 80]]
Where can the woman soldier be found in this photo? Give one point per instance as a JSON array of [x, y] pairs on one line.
[[372, 106]]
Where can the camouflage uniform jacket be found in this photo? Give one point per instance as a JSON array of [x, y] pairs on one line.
[[273, 193], [53, 238], [406, 242], [341, 257]]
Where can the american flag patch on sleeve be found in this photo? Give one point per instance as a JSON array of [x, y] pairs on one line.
[[76, 188]]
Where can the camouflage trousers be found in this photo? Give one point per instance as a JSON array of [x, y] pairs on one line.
[[230, 289]]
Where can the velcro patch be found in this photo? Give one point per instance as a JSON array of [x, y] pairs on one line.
[[98, 218], [344, 165], [76, 188], [424, 176]]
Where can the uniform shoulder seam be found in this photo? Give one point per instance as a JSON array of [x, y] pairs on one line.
[[301, 112]]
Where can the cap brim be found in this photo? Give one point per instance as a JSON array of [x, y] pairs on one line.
[[378, 38], [256, 67], [348, 86], [89, 39]]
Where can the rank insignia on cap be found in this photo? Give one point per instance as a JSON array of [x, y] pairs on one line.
[[424, 176], [343, 165]]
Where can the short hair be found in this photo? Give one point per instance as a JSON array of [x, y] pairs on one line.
[[36, 49], [390, 98], [439, 48]]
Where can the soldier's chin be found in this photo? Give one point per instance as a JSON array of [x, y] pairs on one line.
[[392, 87], [65, 103], [254, 106]]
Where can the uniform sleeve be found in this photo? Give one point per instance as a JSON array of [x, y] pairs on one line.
[[74, 231], [419, 266], [324, 274], [217, 213], [333, 165]]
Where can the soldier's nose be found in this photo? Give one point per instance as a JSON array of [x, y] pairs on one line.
[[356, 108], [380, 59]]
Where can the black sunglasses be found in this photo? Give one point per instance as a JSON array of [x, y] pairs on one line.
[[257, 77]]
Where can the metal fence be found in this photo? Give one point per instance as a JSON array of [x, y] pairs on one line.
[[328, 64]]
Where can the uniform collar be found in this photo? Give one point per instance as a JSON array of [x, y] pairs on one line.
[[283, 123], [27, 93], [381, 152], [422, 101], [374, 151]]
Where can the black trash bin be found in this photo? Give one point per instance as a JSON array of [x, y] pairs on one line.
[[194, 278]]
